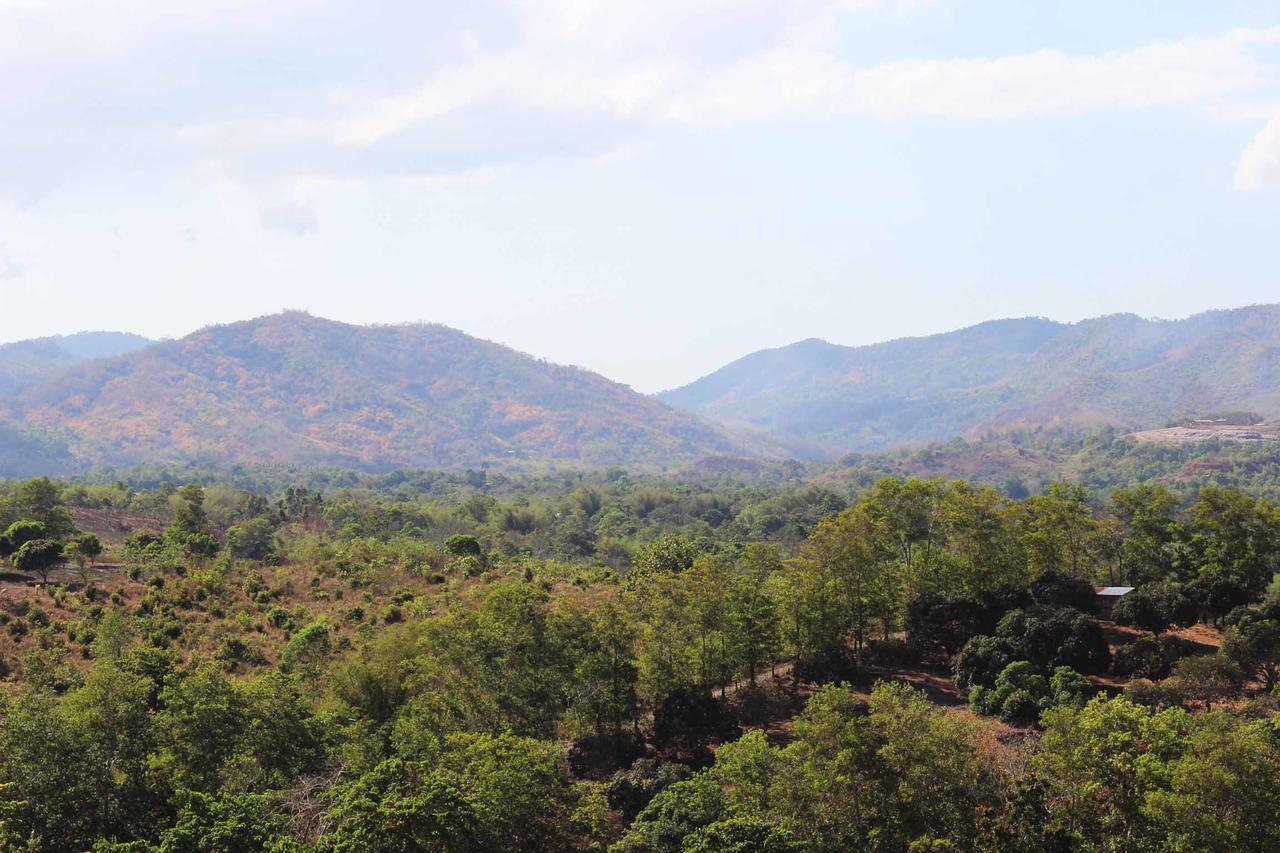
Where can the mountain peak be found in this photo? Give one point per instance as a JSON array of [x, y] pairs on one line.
[[295, 388]]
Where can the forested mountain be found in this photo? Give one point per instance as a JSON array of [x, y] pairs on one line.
[[27, 362], [1123, 371], [293, 388]]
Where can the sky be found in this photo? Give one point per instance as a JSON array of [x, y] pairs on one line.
[[645, 188]]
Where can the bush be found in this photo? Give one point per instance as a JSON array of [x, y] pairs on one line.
[[632, 789], [758, 705], [1155, 607], [307, 649], [690, 719], [280, 617], [891, 653], [1254, 646], [666, 555], [981, 660], [1061, 637], [595, 756], [463, 545], [938, 623], [1021, 693], [827, 665], [1207, 678], [234, 650], [1150, 657], [1153, 694], [1055, 590]]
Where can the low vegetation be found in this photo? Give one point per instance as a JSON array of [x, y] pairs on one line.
[[475, 662]]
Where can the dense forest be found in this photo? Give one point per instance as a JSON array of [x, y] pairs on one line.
[[606, 661]]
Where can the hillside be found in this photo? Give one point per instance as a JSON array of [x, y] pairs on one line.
[[1121, 371], [297, 389], [27, 362]]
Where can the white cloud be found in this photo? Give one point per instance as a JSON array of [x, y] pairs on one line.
[[440, 88], [1259, 165], [10, 269], [292, 218], [803, 76]]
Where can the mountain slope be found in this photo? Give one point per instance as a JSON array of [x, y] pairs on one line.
[[1120, 370], [297, 389], [27, 362]]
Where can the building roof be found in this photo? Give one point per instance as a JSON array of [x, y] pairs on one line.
[[1113, 591]]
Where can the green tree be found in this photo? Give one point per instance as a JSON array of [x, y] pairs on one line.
[[845, 570], [1224, 794], [252, 539], [202, 719], [307, 650], [21, 532], [1150, 532], [666, 555], [1098, 764], [605, 674], [1254, 646], [745, 834], [40, 499], [518, 785], [400, 806], [1058, 529], [51, 791], [753, 623], [226, 821], [83, 550], [110, 714], [1208, 678], [1155, 607], [38, 556]]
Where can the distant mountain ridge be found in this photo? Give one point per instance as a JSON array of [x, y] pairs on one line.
[[293, 389], [26, 362], [296, 389], [822, 399]]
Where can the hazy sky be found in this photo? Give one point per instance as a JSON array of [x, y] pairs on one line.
[[642, 187]]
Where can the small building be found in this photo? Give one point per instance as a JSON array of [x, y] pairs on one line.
[[1105, 598]]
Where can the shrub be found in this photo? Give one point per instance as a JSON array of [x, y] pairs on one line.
[[689, 719], [632, 789], [280, 617], [307, 649], [1155, 607], [597, 755], [1207, 678], [1150, 657], [891, 653], [981, 660], [1021, 693], [1061, 637], [1154, 694], [463, 545], [1055, 590], [827, 665]]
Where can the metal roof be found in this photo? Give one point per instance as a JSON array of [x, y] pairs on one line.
[[1113, 590]]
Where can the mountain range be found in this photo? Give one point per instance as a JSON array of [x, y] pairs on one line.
[[27, 362], [821, 399], [296, 389]]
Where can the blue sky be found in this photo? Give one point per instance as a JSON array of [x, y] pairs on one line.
[[645, 188]]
